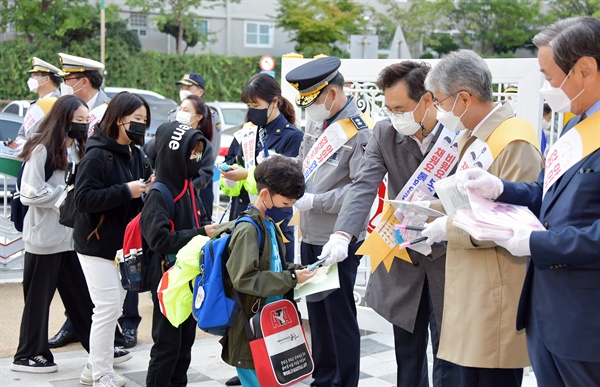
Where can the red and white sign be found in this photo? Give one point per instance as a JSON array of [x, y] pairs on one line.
[[267, 63]]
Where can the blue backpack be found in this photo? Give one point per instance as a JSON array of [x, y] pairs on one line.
[[214, 311]]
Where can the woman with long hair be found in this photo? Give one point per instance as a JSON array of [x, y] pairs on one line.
[[110, 181], [50, 259], [270, 130], [193, 112]]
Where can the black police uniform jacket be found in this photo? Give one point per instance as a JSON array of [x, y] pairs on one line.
[[102, 196]]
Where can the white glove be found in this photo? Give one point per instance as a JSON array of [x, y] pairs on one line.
[[435, 231], [305, 203], [518, 245], [479, 181], [336, 248]]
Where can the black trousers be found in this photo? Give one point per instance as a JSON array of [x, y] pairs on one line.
[[42, 276], [333, 325], [207, 196], [171, 352], [411, 350], [491, 377]]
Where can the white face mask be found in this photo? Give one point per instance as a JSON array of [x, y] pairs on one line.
[[449, 120], [183, 94], [33, 85], [545, 124], [69, 90], [556, 97], [405, 123], [183, 117], [319, 113]]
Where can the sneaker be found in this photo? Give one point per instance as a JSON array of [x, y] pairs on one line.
[[34, 365], [107, 380], [87, 378], [121, 355]]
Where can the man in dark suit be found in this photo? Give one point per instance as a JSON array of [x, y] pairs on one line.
[[409, 295], [559, 304]]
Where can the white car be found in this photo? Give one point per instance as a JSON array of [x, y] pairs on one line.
[[18, 107], [233, 116]]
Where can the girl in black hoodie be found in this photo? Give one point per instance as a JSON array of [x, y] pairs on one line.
[[179, 153], [110, 180]]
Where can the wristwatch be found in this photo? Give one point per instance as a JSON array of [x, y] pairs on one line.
[[293, 273]]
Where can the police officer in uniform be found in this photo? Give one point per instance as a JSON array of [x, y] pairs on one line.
[[333, 325], [44, 81], [83, 77]]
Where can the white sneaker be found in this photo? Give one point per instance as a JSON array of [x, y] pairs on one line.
[[108, 380], [87, 379]]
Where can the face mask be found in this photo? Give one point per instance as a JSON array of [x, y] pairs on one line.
[[136, 131], [449, 120], [405, 124], [183, 94], [545, 124], [258, 117], [78, 130], [558, 100], [33, 85], [318, 113], [69, 90], [183, 117]]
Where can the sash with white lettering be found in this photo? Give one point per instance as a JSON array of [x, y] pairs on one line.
[[247, 139], [37, 112], [436, 165], [332, 139], [578, 143], [483, 153], [95, 116]]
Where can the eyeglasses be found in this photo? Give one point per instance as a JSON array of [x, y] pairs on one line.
[[437, 104], [390, 113]]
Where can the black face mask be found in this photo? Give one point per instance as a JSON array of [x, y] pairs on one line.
[[258, 117], [136, 132], [78, 130]]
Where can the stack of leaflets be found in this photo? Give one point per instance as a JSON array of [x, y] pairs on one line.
[[495, 221]]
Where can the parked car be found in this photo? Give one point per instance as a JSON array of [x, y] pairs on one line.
[[233, 116], [160, 106], [18, 107]]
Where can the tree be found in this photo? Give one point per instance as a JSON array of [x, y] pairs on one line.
[[560, 9], [175, 18], [320, 26]]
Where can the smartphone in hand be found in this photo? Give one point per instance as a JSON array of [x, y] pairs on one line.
[[224, 167]]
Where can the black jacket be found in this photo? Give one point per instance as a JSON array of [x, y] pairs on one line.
[[102, 197], [174, 169]]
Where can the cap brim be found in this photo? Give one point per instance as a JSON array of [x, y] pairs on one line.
[[305, 101], [184, 82]]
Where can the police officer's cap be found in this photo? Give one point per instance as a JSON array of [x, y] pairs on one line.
[[40, 66], [311, 78], [75, 64], [191, 79]]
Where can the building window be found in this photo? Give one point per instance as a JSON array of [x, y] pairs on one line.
[[202, 26], [138, 23], [258, 34]]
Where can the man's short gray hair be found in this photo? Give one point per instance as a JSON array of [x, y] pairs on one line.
[[461, 70], [570, 40]]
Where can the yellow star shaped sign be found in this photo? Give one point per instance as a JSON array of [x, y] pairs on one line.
[[380, 245]]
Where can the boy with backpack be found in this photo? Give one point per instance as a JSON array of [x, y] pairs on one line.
[[261, 278], [179, 150]]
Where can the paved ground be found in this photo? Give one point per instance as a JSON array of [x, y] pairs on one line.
[[377, 368]]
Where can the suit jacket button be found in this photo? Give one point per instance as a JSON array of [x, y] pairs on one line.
[[546, 225], [416, 264]]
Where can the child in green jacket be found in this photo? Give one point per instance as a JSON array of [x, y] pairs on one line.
[[267, 278]]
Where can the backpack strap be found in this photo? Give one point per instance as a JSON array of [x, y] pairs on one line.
[[48, 171], [261, 239], [168, 198]]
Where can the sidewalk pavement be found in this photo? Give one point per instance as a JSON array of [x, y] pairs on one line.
[[378, 364]]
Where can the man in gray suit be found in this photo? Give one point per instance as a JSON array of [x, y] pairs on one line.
[[410, 295], [83, 78]]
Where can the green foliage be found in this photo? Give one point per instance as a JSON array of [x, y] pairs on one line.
[[191, 34], [441, 43], [320, 26], [561, 9], [225, 76]]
